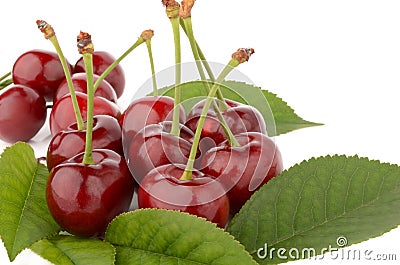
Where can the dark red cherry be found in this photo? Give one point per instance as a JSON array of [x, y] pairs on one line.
[[242, 170], [202, 195], [83, 199], [104, 90], [145, 111], [40, 70], [71, 141], [154, 146], [240, 118], [101, 60], [62, 114], [22, 113]]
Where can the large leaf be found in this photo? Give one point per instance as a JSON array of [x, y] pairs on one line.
[[71, 250], [329, 201], [279, 117], [24, 216], [152, 236]]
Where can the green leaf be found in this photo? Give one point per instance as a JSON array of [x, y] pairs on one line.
[[151, 236], [71, 250], [316, 204], [24, 216], [279, 117]]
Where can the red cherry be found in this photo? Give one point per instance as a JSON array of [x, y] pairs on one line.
[[154, 146], [239, 118], [22, 113], [242, 170], [62, 114], [101, 60], [83, 199], [71, 141], [104, 90], [40, 70], [145, 111], [202, 196]]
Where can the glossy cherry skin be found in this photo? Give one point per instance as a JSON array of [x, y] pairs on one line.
[[154, 146], [202, 196], [83, 199], [240, 118], [101, 61], [242, 170], [62, 114], [40, 70], [22, 113], [145, 111], [104, 90], [71, 141]]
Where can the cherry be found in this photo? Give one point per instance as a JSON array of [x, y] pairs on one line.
[[244, 169], [104, 90], [22, 113], [239, 117], [71, 141], [62, 113], [40, 70], [145, 111], [101, 60], [202, 196], [154, 146], [84, 198]]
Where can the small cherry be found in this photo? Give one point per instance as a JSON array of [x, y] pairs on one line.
[[243, 169], [62, 113], [154, 146], [22, 113], [71, 141], [40, 70], [104, 90], [162, 188], [89, 190], [101, 61]]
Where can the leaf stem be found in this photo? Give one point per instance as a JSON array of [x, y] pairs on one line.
[[234, 62]]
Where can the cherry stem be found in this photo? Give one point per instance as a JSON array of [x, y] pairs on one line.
[[187, 174], [187, 22], [111, 67], [85, 47], [175, 129], [188, 29], [7, 82], [153, 72], [50, 34]]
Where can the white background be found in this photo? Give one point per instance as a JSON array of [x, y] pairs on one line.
[[335, 62]]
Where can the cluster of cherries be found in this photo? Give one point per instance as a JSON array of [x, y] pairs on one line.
[[207, 162]]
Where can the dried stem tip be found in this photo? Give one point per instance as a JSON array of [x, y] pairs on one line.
[[45, 28], [185, 10], [147, 34], [171, 8], [85, 44], [243, 54]]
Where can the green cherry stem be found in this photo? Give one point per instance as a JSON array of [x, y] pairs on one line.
[[111, 67], [50, 34], [172, 11], [85, 47], [240, 56], [6, 82], [147, 35]]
